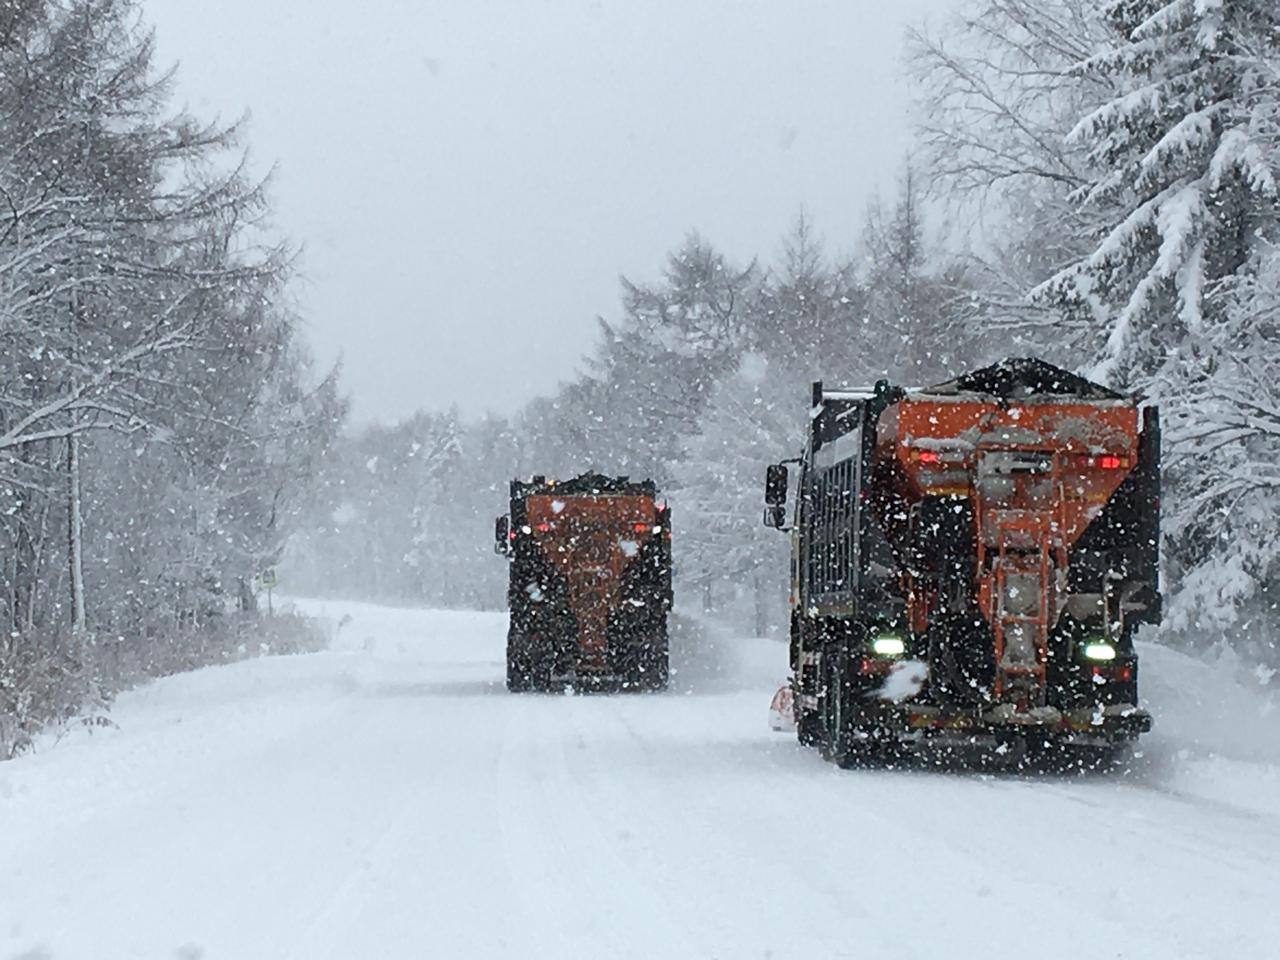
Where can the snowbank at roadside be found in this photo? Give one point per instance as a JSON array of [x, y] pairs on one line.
[[1217, 728], [1216, 735]]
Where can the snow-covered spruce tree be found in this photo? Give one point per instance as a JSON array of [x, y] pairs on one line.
[[916, 329], [404, 513], [676, 339], [722, 550], [445, 541], [649, 376], [1224, 435], [810, 315], [490, 457], [374, 479], [565, 433], [1186, 177]]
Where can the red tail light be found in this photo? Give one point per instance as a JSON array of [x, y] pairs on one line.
[[1119, 674], [874, 668], [543, 527], [1105, 461], [640, 527], [929, 456]]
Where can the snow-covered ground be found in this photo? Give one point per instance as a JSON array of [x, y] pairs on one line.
[[388, 799]]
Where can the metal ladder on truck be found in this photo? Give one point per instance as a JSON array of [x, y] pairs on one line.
[[1033, 557], [1022, 567]]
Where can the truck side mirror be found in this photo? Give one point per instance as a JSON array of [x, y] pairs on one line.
[[775, 485], [501, 528]]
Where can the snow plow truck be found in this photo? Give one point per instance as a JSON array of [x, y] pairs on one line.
[[590, 584], [970, 563]]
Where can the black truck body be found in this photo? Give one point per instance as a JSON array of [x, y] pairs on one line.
[[590, 583]]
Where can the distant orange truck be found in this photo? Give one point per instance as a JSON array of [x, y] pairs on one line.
[[590, 584]]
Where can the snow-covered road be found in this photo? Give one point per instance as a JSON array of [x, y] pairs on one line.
[[388, 798]]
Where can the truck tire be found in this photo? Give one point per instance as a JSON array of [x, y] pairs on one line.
[[526, 670], [832, 745], [650, 668], [518, 673], [540, 670], [809, 729], [851, 738], [657, 668], [662, 673], [839, 743], [806, 682], [810, 724]]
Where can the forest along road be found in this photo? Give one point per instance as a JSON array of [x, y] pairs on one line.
[[389, 799]]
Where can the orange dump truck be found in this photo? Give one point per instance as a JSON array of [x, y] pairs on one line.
[[590, 584], [970, 564]]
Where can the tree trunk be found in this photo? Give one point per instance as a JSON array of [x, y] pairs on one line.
[[248, 600], [762, 608], [37, 561], [74, 538]]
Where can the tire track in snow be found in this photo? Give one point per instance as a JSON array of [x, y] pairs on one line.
[[688, 845], [597, 911]]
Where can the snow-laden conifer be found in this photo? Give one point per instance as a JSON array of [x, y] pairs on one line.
[[1183, 174]]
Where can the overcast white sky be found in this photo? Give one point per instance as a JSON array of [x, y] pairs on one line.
[[469, 178]]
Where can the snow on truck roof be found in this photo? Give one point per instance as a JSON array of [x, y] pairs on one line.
[[850, 393], [586, 484], [1017, 378], [1024, 378]]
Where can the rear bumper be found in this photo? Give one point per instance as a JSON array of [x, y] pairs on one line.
[[584, 680], [621, 666], [1098, 726], [599, 681]]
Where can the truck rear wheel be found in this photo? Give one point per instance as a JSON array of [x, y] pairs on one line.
[[518, 677], [850, 737], [806, 687], [809, 728], [837, 738], [526, 670], [657, 667], [810, 724], [650, 669]]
